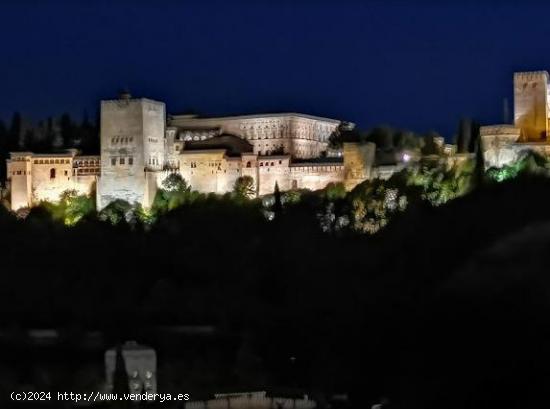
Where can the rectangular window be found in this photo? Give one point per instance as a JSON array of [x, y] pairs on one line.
[[130, 160], [122, 161], [113, 161]]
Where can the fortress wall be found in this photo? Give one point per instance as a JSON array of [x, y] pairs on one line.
[[44, 187], [154, 121], [206, 171], [85, 184], [358, 163], [21, 193], [315, 177], [250, 167], [497, 144], [130, 189], [32, 182], [19, 177], [273, 170], [232, 171], [151, 187], [170, 152]]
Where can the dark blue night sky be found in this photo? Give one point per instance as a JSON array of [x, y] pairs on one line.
[[419, 66]]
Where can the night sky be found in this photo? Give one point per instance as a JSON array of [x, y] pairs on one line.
[[419, 66]]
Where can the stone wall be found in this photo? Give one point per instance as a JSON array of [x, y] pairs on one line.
[[271, 170], [315, 176], [497, 143], [358, 163], [207, 171], [20, 180]]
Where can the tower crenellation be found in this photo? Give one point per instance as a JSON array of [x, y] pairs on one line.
[[504, 144]]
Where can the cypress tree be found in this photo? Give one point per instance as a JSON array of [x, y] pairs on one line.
[[15, 132], [120, 377], [479, 164], [278, 205]]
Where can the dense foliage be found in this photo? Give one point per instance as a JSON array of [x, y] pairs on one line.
[[395, 290], [400, 314]]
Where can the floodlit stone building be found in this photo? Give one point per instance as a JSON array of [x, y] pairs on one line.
[[43, 177], [141, 146], [501, 144]]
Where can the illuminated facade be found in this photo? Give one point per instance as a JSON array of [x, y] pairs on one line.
[[501, 144], [141, 146]]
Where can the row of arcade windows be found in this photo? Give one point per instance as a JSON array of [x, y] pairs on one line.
[[122, 161]]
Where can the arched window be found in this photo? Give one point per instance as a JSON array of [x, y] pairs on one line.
[[52, 173], [248, 164]]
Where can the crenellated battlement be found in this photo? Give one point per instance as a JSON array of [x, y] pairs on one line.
[[501, 129], [530, 75]]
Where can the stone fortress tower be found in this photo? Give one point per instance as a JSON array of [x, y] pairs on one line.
[[531, 105], [501, 144], [132, 149]]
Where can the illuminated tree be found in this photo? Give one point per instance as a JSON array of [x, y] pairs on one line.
[[278, 204], [374, 202], [529, 163], [71, 207], [244, 187], [77, 207], [291, 197], [116, 212], [175, 183], [439, 184], [174, 192], [335, 191]]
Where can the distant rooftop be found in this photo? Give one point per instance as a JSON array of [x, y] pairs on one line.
[[233, 145], [253, 116]]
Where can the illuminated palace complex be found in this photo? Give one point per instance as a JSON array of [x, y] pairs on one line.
[[140, 147]]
